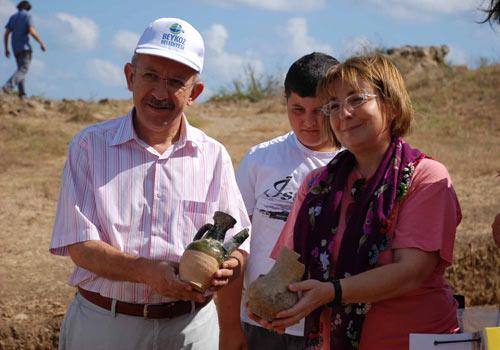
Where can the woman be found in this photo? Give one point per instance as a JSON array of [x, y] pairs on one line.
[[376, 226]]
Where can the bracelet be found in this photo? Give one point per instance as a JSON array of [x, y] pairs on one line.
[[337, 300]]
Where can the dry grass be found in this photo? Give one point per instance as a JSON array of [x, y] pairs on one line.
[[457, 123]]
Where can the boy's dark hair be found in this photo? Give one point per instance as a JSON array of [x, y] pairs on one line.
[[305, 74], [24, 5]]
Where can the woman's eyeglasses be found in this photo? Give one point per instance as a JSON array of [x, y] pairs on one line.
[[350, 103]]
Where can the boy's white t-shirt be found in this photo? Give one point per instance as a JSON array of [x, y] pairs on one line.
[[269, 177]]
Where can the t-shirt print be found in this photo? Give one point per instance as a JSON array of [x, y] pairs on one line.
[[277, 200]]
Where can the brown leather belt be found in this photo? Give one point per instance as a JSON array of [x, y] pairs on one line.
[[166, 310]]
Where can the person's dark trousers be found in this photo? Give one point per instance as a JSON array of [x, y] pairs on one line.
[[23, 60], [259, 338]]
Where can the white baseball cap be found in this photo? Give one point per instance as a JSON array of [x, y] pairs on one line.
[[175, 39]]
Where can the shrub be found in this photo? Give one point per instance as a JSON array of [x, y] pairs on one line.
[[250, 88]]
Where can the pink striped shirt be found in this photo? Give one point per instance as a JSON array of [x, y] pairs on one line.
[[117, 189]]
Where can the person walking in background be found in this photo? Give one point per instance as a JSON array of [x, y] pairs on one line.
[[134, 192], [376, 226], [20, 25], [269, 177]]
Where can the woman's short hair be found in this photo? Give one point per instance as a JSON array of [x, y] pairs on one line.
[[387, 82]]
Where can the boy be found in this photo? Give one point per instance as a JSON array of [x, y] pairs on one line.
[[269, 177]]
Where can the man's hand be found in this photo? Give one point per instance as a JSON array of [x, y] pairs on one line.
[[163, 278], [35, 36], [108, 262], [230, 269]]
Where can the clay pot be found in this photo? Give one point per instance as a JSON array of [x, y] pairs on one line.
[[204, 256], [269, 294], [197, 268]]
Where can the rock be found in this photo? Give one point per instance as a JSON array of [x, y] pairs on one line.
[[21, 317], [411, 59]]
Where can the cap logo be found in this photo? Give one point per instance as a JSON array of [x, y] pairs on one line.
[[176, 29], [174, 38]]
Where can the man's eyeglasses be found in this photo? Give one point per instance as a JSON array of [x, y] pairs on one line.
[[351, 102], [152, 78]]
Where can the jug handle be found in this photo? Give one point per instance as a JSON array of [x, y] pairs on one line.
[[201, 232]]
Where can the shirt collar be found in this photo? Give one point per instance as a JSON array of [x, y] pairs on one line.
[[126, 132], [189, 135]]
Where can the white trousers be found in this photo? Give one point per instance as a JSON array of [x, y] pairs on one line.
[[88, 326]]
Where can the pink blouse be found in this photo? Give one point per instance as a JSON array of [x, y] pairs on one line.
[[427, 220]]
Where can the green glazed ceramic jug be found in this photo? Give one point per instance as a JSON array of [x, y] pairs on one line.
[[204, 256]]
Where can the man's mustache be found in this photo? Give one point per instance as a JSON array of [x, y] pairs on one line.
[[165, 104]]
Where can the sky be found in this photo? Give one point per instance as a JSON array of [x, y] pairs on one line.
[[88, 42]]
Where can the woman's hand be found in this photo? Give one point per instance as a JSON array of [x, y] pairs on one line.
[[314, 294], [264, 323]]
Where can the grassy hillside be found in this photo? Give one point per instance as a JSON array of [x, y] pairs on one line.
[[458, 123]]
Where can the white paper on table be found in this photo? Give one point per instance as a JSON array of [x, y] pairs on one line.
[[419, 341]]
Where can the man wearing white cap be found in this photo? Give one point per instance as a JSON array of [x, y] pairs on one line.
[[134, 192]]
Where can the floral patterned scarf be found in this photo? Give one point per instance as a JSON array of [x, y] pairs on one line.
[[364, 238]]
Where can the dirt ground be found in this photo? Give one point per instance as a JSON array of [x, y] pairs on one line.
[[33, 138]]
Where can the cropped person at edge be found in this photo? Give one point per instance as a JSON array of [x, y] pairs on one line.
[[493, 16]]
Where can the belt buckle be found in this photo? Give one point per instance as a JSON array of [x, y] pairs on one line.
[[145, 310]]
